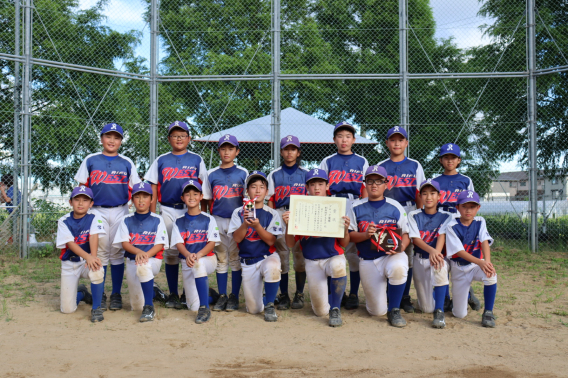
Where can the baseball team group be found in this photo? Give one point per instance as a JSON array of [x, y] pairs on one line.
[[227, 217]]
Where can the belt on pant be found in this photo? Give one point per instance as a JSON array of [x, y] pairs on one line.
[[448, 209], [422, 255], [371, 258], [75, 259], [112, 207], [252, 260], [177, 206], [460, 263], [409, 203]]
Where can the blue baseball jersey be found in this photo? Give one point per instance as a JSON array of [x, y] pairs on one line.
[[282, 185], [143, 234], [450, 187], [427, 227], [345, 174], [78, 231], [389, 214], [252, 245], [404, 178], [227, 189], [466, 238], [194, 232], [110, 178], [314, 248], [170, 172]]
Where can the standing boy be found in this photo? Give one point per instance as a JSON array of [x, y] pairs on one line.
[[404, 175], [345, 170], [111, 176], [285, 181], [227, 183], [168, 173]]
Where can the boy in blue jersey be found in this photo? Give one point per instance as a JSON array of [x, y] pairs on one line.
[[143, 237], [283, 182], [380, 268], [78, 238], [345, 170], [467, 243], [427, 230], [255, 232], [324, 258], [111, 176], [404, 175], [227, 183], [167, 174], [195, 235]]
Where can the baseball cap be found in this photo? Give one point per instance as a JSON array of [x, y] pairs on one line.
[[289, 140], [343, 125], [179, 125], [192, 183], [112, 127], [253, 175], [468, 196], [450, 148], [397, 130], [227, 138], [431, 183], [82, 190], [376, 170], [316, 173], [142, 187]]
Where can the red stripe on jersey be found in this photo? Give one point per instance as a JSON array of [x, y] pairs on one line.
[[338, 248]]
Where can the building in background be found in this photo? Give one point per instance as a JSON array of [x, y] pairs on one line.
[[515, 186]]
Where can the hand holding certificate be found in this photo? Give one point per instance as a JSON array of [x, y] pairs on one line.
[[317, 216]]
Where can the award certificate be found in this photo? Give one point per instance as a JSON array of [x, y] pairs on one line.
[[317, 216]]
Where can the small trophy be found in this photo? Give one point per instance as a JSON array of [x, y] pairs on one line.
[[249, 205], [387, 239]]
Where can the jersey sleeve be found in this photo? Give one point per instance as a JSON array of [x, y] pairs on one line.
[[352, 219], [162, 235], [271, 188], [152, 173], [453, 242], [175, 237], [82, 175], [213, 232], [420, 177], [444, 226], [413, 231], [275, 226], [64, 235], [122, 234], [484, 234], [97, 226], [470, 185], [365, 166], [323, 165], [204, 177], [403, 221], [235, 222], [134, 178]]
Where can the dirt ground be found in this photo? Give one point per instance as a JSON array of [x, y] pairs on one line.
[[531, 338]]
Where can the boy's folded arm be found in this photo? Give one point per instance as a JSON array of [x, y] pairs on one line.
[[423, 245], [94, 244], [207, 249], [181, 249], [74, 247], [266, 236]]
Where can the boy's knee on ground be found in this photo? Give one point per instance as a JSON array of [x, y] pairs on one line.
[[338, 268], [398, 274], [97, 277], [144, 272]]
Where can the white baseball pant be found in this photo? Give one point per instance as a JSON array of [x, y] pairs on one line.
[[70, 274], [351, 249], [374, 275], [111, 220], [227, 251], [425, 279], [136, 274], [202, 268], [317, 272], [169, 214], [253, 276], [284, 251], [462, 277]]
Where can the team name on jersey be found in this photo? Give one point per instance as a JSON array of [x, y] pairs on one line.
[[404, 181], [197, 236], [220, 191], [282, 192], [472, 247], [101, 177], [449, 196], [82, 238], [184, 172], [145, 238], [364, 225], [429, 236], [252, 235], [354, 175]]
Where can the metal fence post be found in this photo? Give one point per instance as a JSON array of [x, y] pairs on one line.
[[26, 98], [403, 65], [17, 111], [531, 118], [275, 119], [153, 81]]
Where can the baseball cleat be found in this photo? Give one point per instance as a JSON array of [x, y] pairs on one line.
[[395, 319], [97, 315], [159, 295], [448, 305], [298, 301], [172, 300], [147, 314], [270, 313], [115, 302], [352, 302], [406, 304], [232, 303], [472, 301], [203, 315], [214, 295], [104, 302], [182, 304], [283, 302], [439, 319], [488, 319], [221, 303], [88, 298], [335, 318]]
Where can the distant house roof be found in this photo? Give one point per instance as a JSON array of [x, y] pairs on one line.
[[513, 176]]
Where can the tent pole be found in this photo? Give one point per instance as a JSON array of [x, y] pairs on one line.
[[403, 65], [275, 119]]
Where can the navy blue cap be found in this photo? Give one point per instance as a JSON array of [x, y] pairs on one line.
[[179, 125], [254, 174], [227, 138], [192, 183], [468, 196], [289, 140], [82, 190], [344, 125], [112, 127], [142, 187], [397, 130], [450, 148], [316, 173], [376, 170], [430, 182]]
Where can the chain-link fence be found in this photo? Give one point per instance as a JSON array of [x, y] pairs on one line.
[[490, 76]]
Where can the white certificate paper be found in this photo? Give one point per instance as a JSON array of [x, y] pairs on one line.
[[317, 216]]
